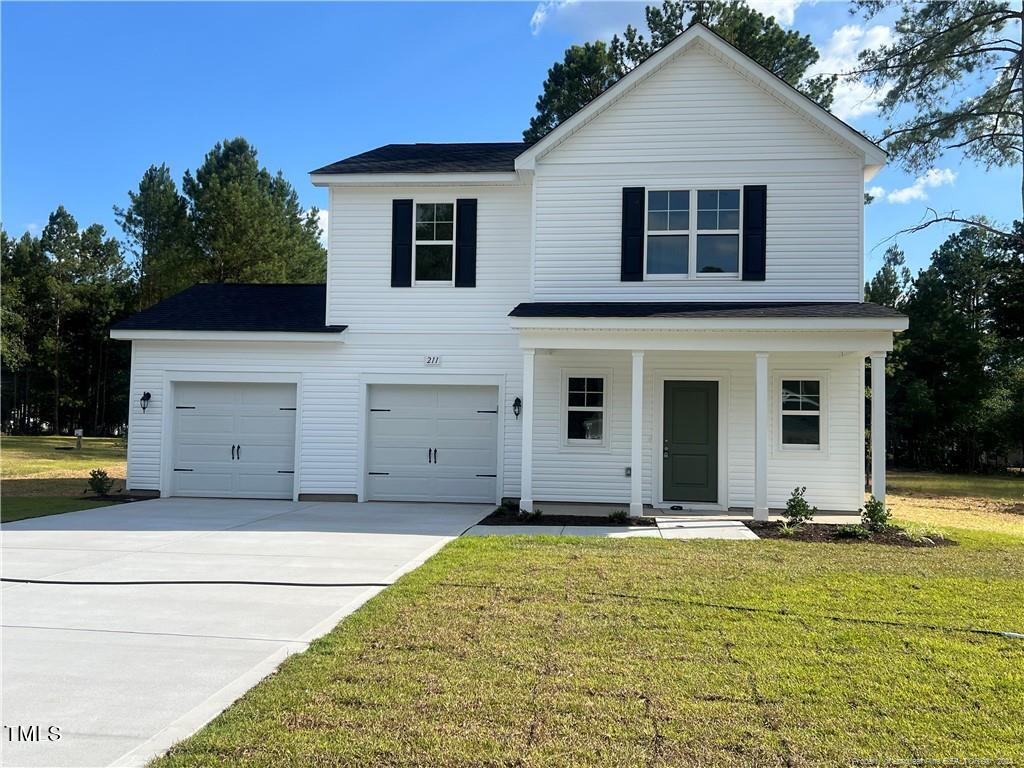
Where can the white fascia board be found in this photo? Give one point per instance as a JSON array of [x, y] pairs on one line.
[[873, 154], [234, 336], [436, 179], [891, 324], [860, 343]]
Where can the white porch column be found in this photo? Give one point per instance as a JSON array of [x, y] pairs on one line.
[[526, 487], [636, 505], [878, 425], [761, 436]]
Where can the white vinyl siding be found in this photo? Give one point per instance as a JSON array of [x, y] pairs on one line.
[[698, 124], [834, 477], [359, 272], [330, 403]]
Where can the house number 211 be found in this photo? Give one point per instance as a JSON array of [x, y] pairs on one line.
[[432, 360]]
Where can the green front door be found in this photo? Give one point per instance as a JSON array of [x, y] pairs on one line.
[[690, 450]]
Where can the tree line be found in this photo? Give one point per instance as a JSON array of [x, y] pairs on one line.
[[955, 393], [231, 221]]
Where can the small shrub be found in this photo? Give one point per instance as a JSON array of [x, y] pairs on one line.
[[874, 516], [99, 483], [921, 535], [787, 528], [797, 510], [619, 516], [527, 516], [853, 532]]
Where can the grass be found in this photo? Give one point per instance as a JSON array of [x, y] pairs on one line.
[[13, 508], [1005, 487], [600, 652], [32, 466]]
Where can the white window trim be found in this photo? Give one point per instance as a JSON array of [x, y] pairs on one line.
[[693, 233], [823, 410], [587, 373], [416, 241]]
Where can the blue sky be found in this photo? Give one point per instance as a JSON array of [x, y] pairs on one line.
[[94, 93]]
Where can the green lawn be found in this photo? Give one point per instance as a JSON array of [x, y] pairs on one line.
[[14, 508], [32, 466], [597, 652], [1005, 487]]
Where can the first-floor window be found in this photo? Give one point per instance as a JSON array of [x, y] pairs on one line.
[[585, 417], [801, 412], [435, 242]]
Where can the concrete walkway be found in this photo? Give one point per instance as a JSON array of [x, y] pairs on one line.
[[176, 607], [667, 528]]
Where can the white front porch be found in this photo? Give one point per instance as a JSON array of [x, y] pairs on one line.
[[755, 472]]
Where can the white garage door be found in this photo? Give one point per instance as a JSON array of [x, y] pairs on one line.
[[234, 440], [432, 443]]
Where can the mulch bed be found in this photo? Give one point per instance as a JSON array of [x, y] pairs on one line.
[[829, 534], [505, 517]]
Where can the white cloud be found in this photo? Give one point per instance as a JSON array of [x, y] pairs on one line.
[[32, 228], [544, 11], [839, 56], [784, 11], [932, 178]]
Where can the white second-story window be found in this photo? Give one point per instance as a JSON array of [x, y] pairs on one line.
[[668, 232], [718, 231], [434, 260], [693, 233]]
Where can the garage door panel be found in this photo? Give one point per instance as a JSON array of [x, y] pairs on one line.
[[263, 483], [209, 483], [401, 429], [191, 453], [254, 429], [485, 398], [455, 424], [467, 428], [226, 415], [196, 423], [267, 395]]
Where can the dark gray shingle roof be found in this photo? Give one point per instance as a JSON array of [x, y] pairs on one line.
[[695, 309], [480, 157], [294, 308]]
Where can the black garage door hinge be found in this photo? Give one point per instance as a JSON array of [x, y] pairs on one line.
[[286, 471], [179, 469], [286, 409], [380, 410], [184, 407], [378, 473], [486, 475]]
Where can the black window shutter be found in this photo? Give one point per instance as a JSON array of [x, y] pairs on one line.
[[755, 216], [401, 243], [632, 234], [465, 243]]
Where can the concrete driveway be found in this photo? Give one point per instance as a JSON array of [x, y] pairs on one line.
[[125, 670]]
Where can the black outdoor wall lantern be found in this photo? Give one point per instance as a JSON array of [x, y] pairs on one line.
[[517, 407], [144, 401]]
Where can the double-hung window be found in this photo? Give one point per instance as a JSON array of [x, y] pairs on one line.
[[668, 232], [693, 233], [434, 260], [718, 231], [801, 413], [585, 408]]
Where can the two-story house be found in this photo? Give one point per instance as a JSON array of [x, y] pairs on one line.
[[659, 304]]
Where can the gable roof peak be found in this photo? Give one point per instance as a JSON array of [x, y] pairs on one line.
[[873, 155]]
